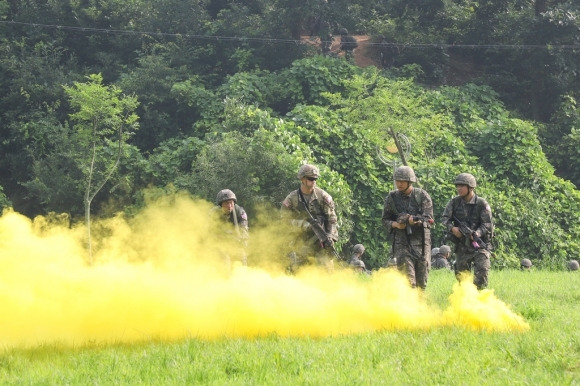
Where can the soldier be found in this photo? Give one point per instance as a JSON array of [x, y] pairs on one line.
[[357, 251], [311, 213], [356, 262], [387, 51], [347, 44], [573, 265], [441, 258], [467, 219], [235, 222], [408, 215], [525, 264], [326, 38]]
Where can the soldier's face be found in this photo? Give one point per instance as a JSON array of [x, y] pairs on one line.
[[462, 190], [309, 182], [402, 186], [228, 206]]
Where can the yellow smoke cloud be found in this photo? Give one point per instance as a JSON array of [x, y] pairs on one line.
[[161, 275]]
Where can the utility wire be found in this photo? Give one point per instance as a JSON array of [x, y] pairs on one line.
[[292, 41]]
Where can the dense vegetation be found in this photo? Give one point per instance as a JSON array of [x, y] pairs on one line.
[[220, 93]]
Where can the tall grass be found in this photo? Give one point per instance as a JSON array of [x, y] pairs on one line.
[[547, 354]]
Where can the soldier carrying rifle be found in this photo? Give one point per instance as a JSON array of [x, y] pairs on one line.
[[407, 216], [467, 219], [311, 213]]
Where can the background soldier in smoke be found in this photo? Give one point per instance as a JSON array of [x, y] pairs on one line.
[[440, 260], [235, 224]]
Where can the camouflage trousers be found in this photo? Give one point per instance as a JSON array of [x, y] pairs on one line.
[[412, 261], [468, 258]]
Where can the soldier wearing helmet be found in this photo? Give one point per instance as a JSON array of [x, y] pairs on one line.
[[441, 258], [525, 264], [234, 220], [307, 206], [474, 213], [347, 44], [357, 251], [573, 265], [407, 216]]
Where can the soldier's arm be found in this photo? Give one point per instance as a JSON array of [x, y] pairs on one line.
[[388, 217], [427, 207], [243, 223], [447, 217], [486, 222], [447, 220], [330, 214]]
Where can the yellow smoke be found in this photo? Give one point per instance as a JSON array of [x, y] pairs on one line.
[[162, 275]]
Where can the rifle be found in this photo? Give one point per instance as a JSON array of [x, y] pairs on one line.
[[317, 228], [476, 242], [405, 218]]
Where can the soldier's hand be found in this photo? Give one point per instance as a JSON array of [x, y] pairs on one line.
[[399, 225], [403, 218], [456, 232]]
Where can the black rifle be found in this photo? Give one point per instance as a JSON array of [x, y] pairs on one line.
[[318, 228], [405, 218], [476, 242]]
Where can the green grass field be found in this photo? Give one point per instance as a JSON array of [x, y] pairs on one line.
[[546, 354]]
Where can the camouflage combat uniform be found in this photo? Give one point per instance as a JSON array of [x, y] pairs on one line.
[[477, 215], [412, 252], [321, 206], [236, 234]]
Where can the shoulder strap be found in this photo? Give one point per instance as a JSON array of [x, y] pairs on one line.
[[418, 194], [392, 203]]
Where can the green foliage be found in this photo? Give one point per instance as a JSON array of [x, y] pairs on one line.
[[104, 121], [561, 138], [208, 70], [309, 79], [161, 117]]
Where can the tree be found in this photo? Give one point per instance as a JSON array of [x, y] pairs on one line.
[[103, 124]]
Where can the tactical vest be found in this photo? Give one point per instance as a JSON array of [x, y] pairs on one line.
[[471, 215]]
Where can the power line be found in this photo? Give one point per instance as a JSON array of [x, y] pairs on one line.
[[292, 41]]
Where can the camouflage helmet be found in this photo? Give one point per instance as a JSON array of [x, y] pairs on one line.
[[359, 264], [225, 195], [526, 263], [405, 173], [573, 265], [434, 251], [445, 250], [465, 179], [343, 31], [359, 248], [308, 170]]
